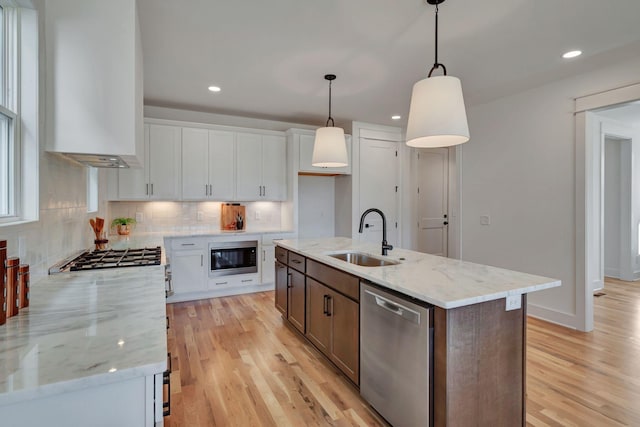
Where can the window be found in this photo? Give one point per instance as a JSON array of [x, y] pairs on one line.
[[18, 113]]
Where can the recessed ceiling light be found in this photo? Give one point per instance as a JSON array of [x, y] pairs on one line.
[[214, 88], [396, 117], [572, 54]]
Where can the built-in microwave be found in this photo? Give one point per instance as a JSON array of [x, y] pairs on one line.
[[227, 258]]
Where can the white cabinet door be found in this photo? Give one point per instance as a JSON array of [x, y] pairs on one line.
[[222, 163], [188, 271], [306, 154], [195, 164], [248, 166], [268, 264], [133, 183], [274, 167], [164, 162]]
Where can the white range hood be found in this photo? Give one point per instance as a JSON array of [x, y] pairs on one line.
[[94, 82]]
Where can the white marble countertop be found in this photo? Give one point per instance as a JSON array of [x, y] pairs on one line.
[[82, 330], [444, 282]]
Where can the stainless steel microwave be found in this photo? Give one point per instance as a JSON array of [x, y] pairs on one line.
[[228, 258]]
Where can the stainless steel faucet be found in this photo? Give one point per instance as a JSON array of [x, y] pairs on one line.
[[385, 246]]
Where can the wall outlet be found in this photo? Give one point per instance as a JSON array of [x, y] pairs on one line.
[[485, 220], [514, 302], [258, 216], [139, 217], [200, 216]]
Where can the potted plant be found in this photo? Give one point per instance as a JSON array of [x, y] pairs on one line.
[[123, 225]]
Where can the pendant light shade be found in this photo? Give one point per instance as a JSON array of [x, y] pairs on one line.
[[437, 116], [330, 147]]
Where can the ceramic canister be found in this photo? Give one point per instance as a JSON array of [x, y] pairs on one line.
[[12, 286], [23, 285], [3, 287]]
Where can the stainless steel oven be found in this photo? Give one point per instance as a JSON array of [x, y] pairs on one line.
[[227, 258]]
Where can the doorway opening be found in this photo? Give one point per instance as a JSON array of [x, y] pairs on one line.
[[606, 118]]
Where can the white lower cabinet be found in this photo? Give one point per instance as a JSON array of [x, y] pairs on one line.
[[188, 271], [131, 402], [188, 258], [268, 263]]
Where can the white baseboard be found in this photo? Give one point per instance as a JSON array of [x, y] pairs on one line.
[[548, 315], [236, 290], [612, 272]]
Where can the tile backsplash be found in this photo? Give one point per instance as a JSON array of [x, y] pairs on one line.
[[193, 216], [63, 225]]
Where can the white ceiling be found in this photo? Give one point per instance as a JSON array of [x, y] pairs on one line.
[[270, 56]]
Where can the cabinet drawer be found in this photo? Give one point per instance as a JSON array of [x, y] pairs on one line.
[[340, 281], [229, 281], [296, 261], [281, 255], [187, 244]]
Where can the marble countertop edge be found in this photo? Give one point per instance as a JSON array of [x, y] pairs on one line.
[[78, 384]]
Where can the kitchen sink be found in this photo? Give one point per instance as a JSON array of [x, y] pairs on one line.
[[362, 259]]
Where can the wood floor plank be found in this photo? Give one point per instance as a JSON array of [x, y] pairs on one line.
[[235, 363]]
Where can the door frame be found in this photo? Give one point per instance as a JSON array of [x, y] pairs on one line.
[[587, 221]]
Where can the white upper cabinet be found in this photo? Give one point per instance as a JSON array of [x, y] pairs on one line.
[[160, 178], [306, 140], [261, 167], [208, 164]]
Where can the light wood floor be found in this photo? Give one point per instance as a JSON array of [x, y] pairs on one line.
[[236, 364]]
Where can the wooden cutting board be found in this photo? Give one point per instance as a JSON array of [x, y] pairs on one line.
[[230, 215]]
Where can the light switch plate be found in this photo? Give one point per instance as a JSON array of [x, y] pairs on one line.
[[514, 302], [139, 217], [258, 216], [200, 216]]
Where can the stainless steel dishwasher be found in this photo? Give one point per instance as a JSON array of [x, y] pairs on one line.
[[396, 337]]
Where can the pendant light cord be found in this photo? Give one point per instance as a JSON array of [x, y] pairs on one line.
[[436, 64], [330, 118]]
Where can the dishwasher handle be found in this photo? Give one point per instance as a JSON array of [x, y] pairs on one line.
[[395, 308]]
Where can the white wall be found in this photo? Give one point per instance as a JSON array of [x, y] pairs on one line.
[[519, 168], [316, 206], [612, 180]]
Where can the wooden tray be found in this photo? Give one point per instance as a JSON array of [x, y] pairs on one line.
[[229, 215]]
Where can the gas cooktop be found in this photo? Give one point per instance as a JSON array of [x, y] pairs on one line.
[[110, 258]]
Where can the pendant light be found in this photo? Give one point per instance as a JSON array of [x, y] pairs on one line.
[[437, 117], [329, 148]]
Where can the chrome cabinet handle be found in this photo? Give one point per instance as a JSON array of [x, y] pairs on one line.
[[264, 255], [247, 280], [210, 190], [187, 244], [147, 190], [221, 283], [201, 260], [152, 188]]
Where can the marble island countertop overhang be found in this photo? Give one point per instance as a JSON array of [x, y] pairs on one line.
[[84, 329], [444, 282]]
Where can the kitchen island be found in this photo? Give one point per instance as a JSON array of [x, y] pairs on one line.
[[90, 350], [479, 321]]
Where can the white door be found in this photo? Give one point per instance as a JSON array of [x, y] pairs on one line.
[[164, 162], [195, 164], [379, 188], [274, 167], [222, 165], [432, 197], [248, 166]]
